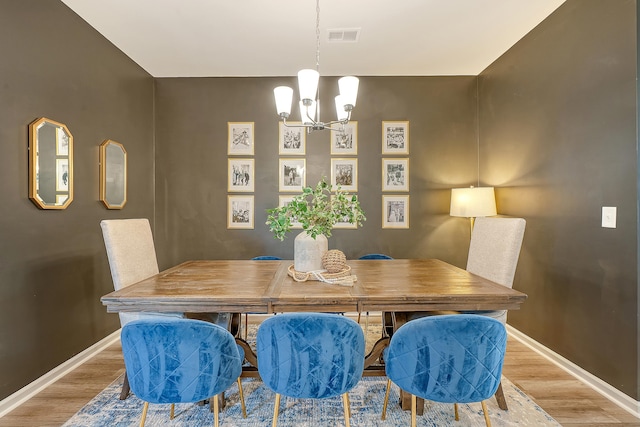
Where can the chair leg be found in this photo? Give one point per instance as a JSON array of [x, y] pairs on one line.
[[246, 326], [347, 409], [244, 408], [172, 411], [455, 411], [359, 317], [502, 401], [275, 411], [125, 387], [216, 411], [414, 405], [486, 414], [386, 401], [144, 413]]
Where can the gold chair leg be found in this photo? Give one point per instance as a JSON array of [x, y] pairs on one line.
[[244, 408], [486, 414], [172, 411], [414, 411], [347, 409], [216, 411], [359, 317], [145, 408], [455, 410], [275, 411], [386, 400]]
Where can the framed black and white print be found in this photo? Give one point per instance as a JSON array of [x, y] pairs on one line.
[[241, 175], [240, 212], [345, 224], [292, 140], [291, 175], [283, 201], [395, 211], [395, 137], [344, 172], [395, 174], [345, 140], [62, 174], [240, 135]]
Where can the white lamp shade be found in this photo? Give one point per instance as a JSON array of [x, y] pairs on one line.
[[284, 97], [473, 202], [308, 84], [342, 113], [349, 89], [308, 114]]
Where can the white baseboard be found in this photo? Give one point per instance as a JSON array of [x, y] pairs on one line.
[[607, 390], [27, 392]]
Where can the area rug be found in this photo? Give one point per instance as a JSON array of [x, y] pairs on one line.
[[106, 409]]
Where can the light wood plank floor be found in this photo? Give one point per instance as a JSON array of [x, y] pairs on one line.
[[565, 398]]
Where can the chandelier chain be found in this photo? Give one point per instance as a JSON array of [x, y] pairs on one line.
[[318, 35]]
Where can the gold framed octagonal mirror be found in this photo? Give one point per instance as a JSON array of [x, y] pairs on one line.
[[113, 174], [50, 164]]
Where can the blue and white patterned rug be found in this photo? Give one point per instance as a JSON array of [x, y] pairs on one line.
[[366, 405]]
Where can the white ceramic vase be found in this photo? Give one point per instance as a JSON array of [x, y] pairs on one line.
[[307, 251]]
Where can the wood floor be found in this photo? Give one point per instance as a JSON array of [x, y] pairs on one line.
[[565, 398]]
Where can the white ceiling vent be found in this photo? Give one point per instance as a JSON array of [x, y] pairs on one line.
[[343, 35]]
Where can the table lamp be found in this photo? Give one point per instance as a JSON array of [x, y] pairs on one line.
[[473, 202]]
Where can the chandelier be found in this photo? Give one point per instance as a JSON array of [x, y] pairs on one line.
[[309, 102]]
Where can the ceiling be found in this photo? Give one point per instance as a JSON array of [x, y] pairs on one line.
[[215, 38]]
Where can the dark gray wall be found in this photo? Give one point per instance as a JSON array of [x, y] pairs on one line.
[[191, 165], [558, 137], [53, 267]]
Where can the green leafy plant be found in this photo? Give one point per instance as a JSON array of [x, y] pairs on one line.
[[317, 209]]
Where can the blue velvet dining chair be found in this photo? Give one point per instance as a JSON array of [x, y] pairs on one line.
[[310, 355], [180, 361], [375, 256], [454, 358]]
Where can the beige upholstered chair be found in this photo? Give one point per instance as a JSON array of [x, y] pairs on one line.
[[132, 258], [493, 254], [494, 251]]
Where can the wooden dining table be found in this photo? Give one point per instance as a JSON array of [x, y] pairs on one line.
[[393, 287]]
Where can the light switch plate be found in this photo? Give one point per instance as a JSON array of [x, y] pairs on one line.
[[609, 216]]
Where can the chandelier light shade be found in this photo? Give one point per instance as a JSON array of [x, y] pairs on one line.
[[473, 202], [308, 85], [308, 80], [348, 91], [283, 95]]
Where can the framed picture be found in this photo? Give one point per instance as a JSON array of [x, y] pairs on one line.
[[240, 212], [62, 142], [291, 141], [283, 201], [292, 175], [345, 141], [345, 224], [395, 211], [62, 174], [241, 175], [395, 137], [395, 174], [344, 172], [240, 138]]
